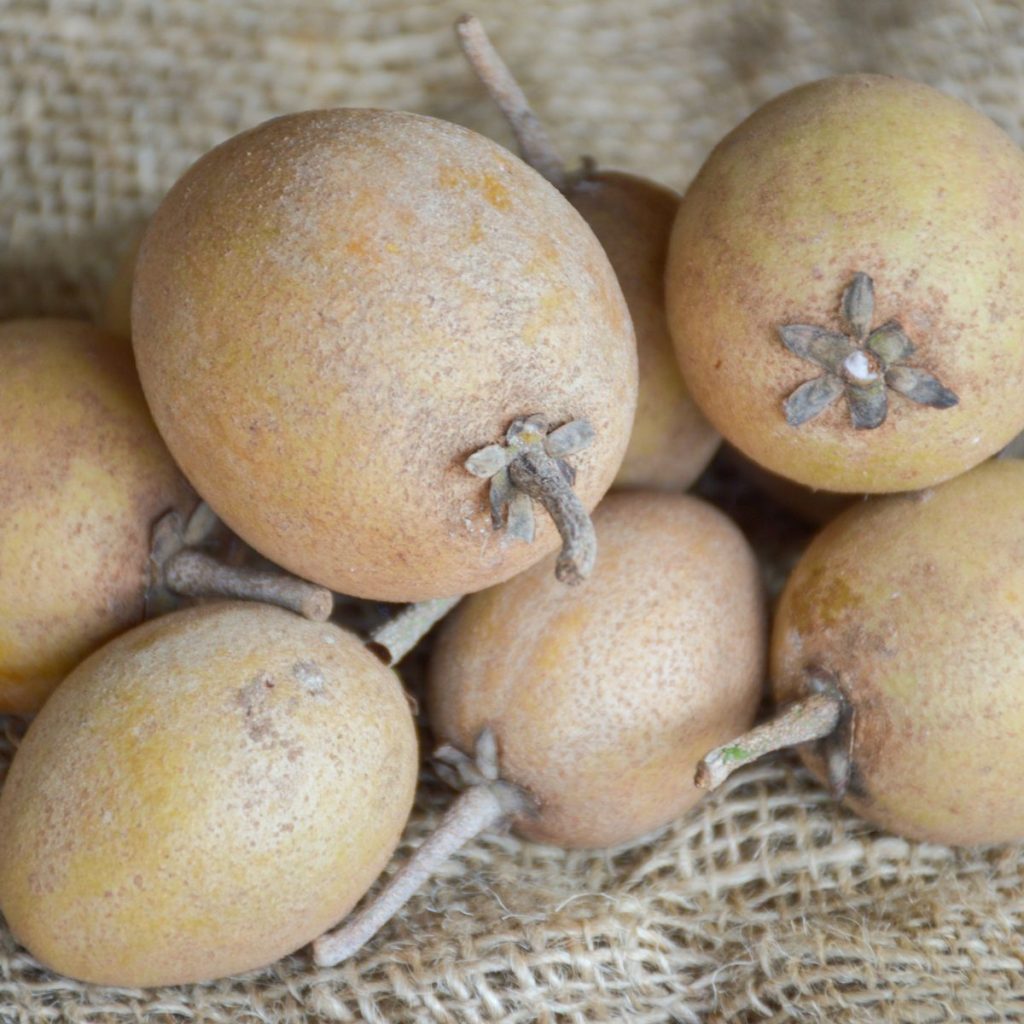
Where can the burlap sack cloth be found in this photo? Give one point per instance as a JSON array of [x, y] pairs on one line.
[[768, 902]]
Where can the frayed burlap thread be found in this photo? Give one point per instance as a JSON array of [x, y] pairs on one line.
[[768, 903]]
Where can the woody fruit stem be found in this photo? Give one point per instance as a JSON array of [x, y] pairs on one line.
[[535, 145], [803, 721]]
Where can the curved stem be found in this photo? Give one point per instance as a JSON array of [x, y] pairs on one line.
[[475, 810], [803, 721], [538, 474], [194, 574], [534, 143], [400, 634]]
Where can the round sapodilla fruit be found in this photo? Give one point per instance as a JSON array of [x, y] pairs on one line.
[[98, 528], [578, 716], [203, 795], [671, 442], [899, 638], [844, 286], [345, 319], [84, 477]]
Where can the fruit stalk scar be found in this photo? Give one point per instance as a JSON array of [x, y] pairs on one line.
[[400, 634], [487, 801], [187, 572], [530, 465], [534, 143], [803, 721]]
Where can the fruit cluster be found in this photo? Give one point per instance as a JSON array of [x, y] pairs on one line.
[[374, 354]]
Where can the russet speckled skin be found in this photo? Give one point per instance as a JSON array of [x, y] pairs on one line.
[[860, 173], [914, 602], [83, 476], [671, 442], [333, 310], [203, 795], [603, 698]]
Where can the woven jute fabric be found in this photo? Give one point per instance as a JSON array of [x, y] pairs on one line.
[[768, 903]]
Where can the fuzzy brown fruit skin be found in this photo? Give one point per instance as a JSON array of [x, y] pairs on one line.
[[603, 699], [333, 310], [914, 603], [672, 442], [867, 174], [202, 796], [84, 477]]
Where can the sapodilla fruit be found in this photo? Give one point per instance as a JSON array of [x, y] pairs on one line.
[[844, 285], [203, 795], [899, 650], [97, 524], [577, 716], [671, 442], [346, 321]]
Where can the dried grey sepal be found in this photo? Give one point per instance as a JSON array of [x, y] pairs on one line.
[[827, 349], [521, 521], [569, 439], [868, 404], [837, 747], [462, 770], [202, 524], [920, 386], [487, 461], [486, 753], [812, 398], [890, 343], [501, 494], [859, 305], [862, 367], [528, 467]]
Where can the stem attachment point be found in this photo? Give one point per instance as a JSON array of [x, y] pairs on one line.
[[531, 464], [176, 568], [484, 803], [804, 721]]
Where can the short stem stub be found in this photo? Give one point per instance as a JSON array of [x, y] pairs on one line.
[[531, 465], [400, 634], [486, 801], [176, 568], [537, 474], [803, 721], [535, 145], [195, 574]]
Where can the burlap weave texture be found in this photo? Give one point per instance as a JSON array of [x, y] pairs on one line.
[[768, 903]]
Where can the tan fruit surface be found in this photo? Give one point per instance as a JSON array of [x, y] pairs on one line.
[[333, 310], [83, 476], [632, 217], [603, 698], [859, 173], [202, 796], [914, 603]]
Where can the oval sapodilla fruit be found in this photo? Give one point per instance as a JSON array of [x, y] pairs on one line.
[[899, 635], [844, 286], [202, 796], [83, 477], [671, 442], [578, 716], [334, 310]]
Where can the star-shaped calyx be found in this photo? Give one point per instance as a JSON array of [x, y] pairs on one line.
[[529, 465], [862, 364]]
